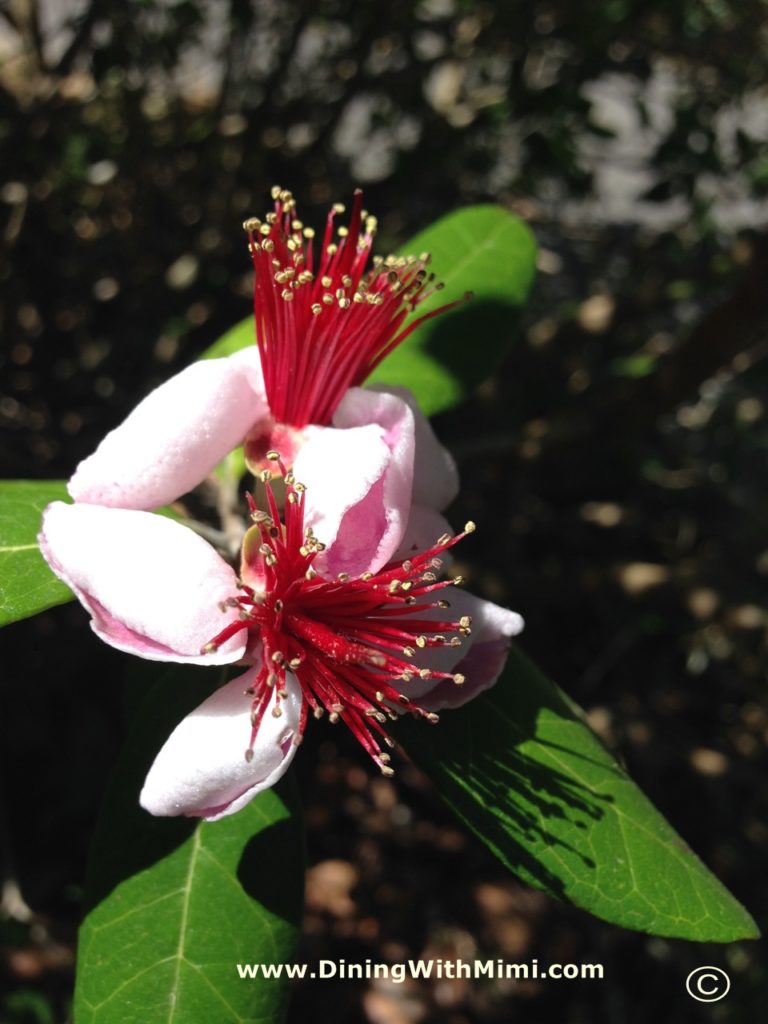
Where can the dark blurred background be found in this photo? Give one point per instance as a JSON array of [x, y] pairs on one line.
[[616, 464]]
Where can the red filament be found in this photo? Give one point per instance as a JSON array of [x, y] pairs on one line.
[[324, 321]]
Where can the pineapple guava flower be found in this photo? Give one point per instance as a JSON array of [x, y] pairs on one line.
[[362, 641], [323, 322]]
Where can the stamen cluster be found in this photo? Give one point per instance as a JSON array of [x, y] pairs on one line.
[[325, 321], [347, 640]]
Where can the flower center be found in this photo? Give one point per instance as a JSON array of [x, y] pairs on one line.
[[325, 322], [351, 642]]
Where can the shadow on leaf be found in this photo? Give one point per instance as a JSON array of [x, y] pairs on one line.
[[263, 860], [521, 806], [473, 339]]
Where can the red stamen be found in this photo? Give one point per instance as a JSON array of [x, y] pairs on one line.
[[324, 323], [346, 640]]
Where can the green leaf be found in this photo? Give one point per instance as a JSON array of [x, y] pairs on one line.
[[484, 250], [27, 585], [520, 766], [480, 249], [175, 904]]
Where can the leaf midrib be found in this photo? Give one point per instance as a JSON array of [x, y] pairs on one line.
[[187, 890], [473, 250]]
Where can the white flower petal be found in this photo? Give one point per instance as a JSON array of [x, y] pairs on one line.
[[202, 771], [152, 586], [176, 436]]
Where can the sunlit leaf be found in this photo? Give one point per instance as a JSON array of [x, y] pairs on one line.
[[484, 250], [521, 767], [27, 585]]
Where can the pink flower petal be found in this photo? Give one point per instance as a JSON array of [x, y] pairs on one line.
[[152, 586], [358, 475], [201, 771], [480, 658], [176, 436], [435, 477], [425, 527]]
